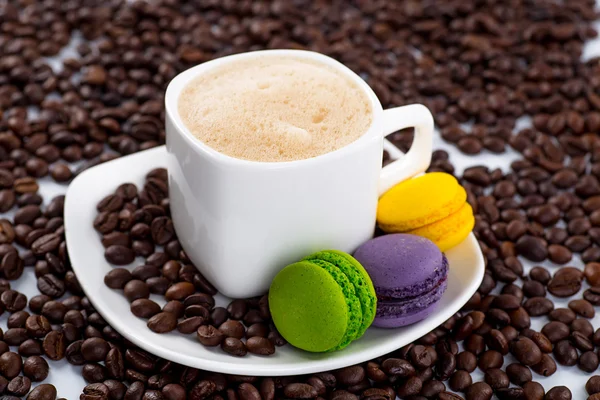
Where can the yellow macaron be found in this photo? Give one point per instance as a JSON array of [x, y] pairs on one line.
[[432, 205], [450, 231]]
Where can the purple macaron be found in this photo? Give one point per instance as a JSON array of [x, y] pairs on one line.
[[409, 274]]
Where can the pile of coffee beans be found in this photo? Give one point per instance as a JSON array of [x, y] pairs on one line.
[[133, 223], [487, 63]]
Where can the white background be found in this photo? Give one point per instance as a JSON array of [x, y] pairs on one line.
[[68, 380]]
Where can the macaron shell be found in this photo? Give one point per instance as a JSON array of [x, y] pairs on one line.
[[449, 231], [354, 307], [402, 313], [308, 307], [402, 265], [419, 201], [359, 277]]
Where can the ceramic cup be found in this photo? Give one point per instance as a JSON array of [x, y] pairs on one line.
[[240, 222]]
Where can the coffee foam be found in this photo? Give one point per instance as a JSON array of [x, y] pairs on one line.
[[275, 109]]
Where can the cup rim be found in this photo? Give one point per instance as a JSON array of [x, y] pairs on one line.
[[182, 79]]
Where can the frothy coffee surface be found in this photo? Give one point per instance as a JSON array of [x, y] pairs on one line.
[[275, 109]]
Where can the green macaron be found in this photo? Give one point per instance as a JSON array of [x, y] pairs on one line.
[[323, 302]]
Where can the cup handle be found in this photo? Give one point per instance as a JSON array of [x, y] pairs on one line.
[[418, 158]]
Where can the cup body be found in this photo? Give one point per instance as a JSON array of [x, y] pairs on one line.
[[240, 222]]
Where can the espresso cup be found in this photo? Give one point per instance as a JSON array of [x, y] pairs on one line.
[[240, 222]]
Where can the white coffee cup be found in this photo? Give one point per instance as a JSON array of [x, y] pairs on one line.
[[240, 222]]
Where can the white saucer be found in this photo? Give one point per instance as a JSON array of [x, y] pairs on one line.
[[87, 258]]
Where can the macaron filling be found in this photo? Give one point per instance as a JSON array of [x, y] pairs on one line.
[[392, 314], [426, 285], [354, 308], [358, 277]]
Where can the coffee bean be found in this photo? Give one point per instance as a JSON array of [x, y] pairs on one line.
[[582, 325], [117, 278], [537, 306], [94, 349], [490, 359], [10, 364], [558, 393], [466, 361], [15, 336], [526, 351], [144, 308], [582, 308], [299, 391], [180, 291], [35, 368], [546, 366], [54, 345], [540, 274], [44, 391], [19, 386], [51, 286], [518, 374], [162, 322], [136, 289], [119, 255], [533, 390], [397, 367], [566, 282], [588, 361], [565, 353], [479, 391], [190, 325], [13, 301], [592, 386], [93, 373]]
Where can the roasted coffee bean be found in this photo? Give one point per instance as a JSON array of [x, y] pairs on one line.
[[537, 306], [35, 368], [93, 373], [540, 274], [15, 336], [136, 289], [31, 347], [582, 308], [422, 356], [19, 386], [94, 349], [533, 390], [51, 286], [566, 282], [117, 278], [518, 374], [398, 367], [466, 361], [555, 331], [490, 359], [44, 391], [526, 351], [162, 322], [10, 364], [208, 335], [564, 315], [565, 353], [13, 301], [496, 378], [54, 345], [479, 391], [582, 325], [144, 308], [119, 255], [588, 361], [180, 291], [592, 386], [532, 248], [558, 393]]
